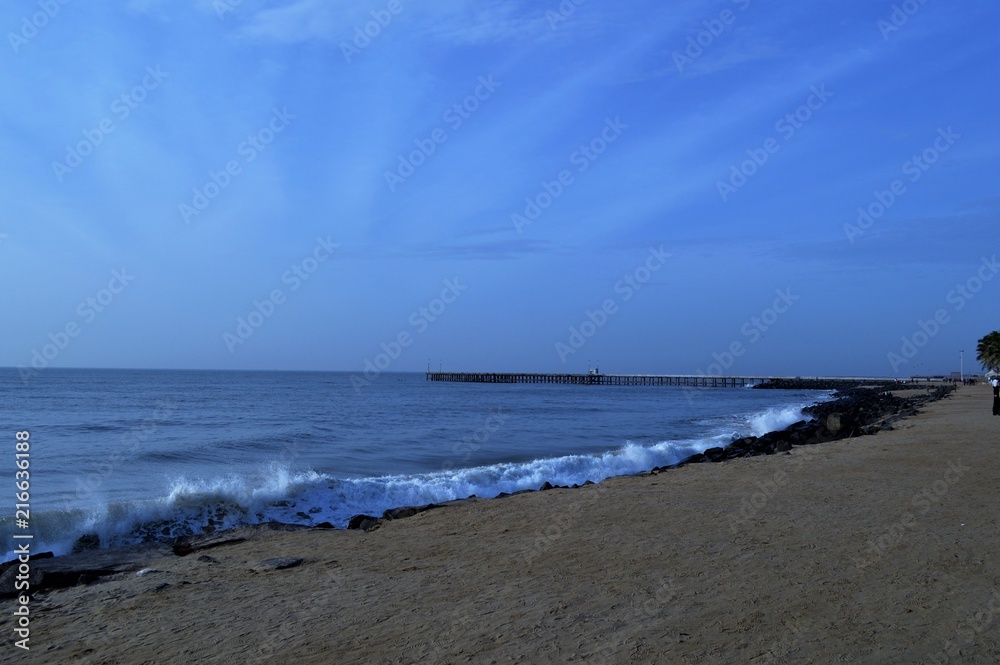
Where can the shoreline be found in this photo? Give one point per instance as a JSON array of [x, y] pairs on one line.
[[212, 497], [852, 410], [848, 548], [864, 549]]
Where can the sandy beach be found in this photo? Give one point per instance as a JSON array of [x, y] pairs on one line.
[[878, 549]]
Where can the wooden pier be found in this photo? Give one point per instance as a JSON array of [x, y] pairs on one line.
[[700, 381], [598, 379]]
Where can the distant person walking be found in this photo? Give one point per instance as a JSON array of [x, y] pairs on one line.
[[995, 382]]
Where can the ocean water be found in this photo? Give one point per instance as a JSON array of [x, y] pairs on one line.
[[136, 455]]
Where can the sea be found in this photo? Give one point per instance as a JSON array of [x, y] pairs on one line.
[[133, 456]]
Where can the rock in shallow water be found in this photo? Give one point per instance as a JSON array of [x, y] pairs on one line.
[[90, 541], [854, 412]]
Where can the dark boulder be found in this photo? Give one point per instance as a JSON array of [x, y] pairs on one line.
[[89, 541], [715, 454], [364, 522], [855, 411], [9, 579], [84, 568], [406, 511]]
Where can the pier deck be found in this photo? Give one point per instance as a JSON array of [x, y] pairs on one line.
[[701, 381]]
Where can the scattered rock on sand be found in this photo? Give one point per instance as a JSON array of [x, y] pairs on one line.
[[83, 568], [278, 563], [406, 511], [364, 522], [185, 545], [9, 578]]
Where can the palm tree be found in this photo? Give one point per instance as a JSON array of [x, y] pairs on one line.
[[988, 351]]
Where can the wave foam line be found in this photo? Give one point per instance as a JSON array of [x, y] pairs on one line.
[[276, 493]]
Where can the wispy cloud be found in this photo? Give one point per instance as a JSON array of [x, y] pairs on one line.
[[560, 82], [455, 22], [298, 21], [470, 22]]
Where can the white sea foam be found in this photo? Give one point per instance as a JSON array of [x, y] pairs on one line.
[[346, 497], [773, 419], [275, 492]]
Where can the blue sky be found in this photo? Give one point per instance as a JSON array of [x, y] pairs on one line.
[[499, 185]]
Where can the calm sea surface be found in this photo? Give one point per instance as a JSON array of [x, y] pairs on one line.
[[136, 455]]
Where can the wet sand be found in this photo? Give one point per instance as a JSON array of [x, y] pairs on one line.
[[878, 549]]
